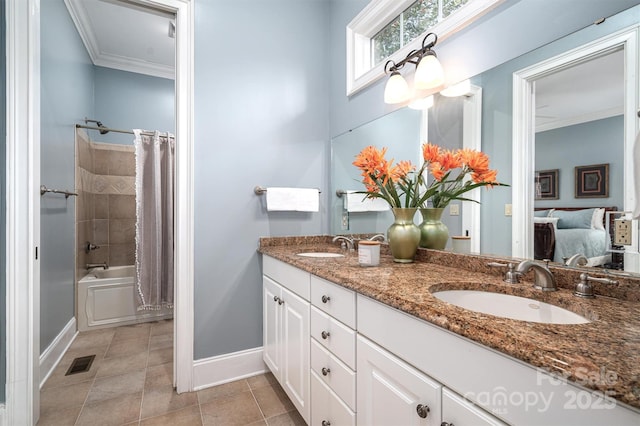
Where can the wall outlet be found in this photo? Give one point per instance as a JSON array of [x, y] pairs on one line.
[[454, 209], [507, 210], [345, 220], [622, 232]]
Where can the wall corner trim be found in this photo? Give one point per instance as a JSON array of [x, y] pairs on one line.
[[227, 368], [51, 357]]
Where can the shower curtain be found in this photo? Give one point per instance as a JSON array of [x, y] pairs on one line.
[[154, 224]]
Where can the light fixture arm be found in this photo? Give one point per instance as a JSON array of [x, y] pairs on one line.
[[414, 56]]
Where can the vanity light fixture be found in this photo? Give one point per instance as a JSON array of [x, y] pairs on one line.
[[429, 72], [459, 89]]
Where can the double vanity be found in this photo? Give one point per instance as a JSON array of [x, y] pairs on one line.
[[393, 344]]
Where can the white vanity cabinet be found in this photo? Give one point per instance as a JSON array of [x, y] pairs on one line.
[[391, 392], [333, 354], [285, 304]]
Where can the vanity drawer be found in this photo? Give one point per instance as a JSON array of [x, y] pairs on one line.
[[338, 338], [290, 277], [328, 408], [333, 372], [335, 300]]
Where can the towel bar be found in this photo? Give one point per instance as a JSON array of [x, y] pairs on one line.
[[260, 190], [67, 194]]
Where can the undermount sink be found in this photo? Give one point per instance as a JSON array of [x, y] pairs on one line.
[[509, 306], [320, 254]]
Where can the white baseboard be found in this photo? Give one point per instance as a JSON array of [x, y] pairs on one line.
[[2, 415], [227, 368], [53, 354]]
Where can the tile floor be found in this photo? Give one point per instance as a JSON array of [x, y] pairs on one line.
[[130, 383]]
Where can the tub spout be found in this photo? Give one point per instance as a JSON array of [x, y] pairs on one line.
[[98, 265]]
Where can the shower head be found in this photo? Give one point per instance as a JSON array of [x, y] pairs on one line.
[[103, 128]]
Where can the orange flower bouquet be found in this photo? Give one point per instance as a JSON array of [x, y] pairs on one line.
[[398, 184], [442, 163]]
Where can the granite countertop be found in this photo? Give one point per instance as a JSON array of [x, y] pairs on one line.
[[603, 355]]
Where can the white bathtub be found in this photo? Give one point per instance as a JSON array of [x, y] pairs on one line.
[[106, 299]]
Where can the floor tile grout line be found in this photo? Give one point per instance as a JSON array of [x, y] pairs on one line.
[[257, 403]]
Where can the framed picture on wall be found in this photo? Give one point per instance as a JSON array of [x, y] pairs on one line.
[[547, 184], [592, 181]]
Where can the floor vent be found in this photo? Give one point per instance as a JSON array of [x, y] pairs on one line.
[[80, 365]]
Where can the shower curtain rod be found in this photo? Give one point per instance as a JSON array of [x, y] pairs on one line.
[[84, 126]]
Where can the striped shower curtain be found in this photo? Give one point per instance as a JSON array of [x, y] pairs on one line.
[[154, 152]]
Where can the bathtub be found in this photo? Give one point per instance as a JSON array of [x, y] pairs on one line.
[[106, 299]]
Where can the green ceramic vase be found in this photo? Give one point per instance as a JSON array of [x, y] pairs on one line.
[[403, 235], [433, 233]]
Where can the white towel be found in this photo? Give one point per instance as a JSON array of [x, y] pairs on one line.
[[354, 202], [293, 199], [636, 176]]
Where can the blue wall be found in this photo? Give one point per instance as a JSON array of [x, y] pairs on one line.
[[260, 119], [67, 76], [126, 100], [595, 142], [3, 207]]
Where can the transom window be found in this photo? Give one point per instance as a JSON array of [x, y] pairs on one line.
[[390, 29], [410, 24]]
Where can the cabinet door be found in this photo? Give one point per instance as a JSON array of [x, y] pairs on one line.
[[271, 293], [459, 412], [296, 351], [391, 392]]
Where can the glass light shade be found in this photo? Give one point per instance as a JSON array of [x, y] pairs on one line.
[[421, 103], [429, 73], [396, 90], [458, 89]]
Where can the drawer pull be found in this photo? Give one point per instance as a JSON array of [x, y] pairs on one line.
[[325, 371], [446, 424], [325, 335], [423, 411], [325, 299], [326, 423]]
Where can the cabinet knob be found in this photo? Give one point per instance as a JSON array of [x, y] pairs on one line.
[[276, 298], [280, 301], [422, 410], [446, 424], [325, 334], [325, 371], [325, 299], [326, 423]]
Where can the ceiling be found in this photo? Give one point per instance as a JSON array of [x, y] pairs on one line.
[[588, 91], [119, 34]]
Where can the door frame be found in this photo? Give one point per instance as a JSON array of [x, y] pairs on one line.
[[23, 204], [523, 140]]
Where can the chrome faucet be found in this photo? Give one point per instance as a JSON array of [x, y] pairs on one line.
[[98, 265], [377, 237], [543, 278], [577, 259], [345, 242]]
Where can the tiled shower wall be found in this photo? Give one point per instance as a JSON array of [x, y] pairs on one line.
[[106, 207]]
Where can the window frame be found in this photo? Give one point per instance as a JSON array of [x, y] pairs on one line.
[[376, 15]]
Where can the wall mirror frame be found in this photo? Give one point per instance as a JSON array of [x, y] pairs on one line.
[[523, 141]]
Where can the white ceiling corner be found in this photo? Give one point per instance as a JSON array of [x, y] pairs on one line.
[[124, 36]]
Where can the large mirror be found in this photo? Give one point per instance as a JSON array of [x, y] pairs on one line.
[[498, 233]]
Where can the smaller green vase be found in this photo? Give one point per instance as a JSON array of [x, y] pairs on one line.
[[403, 235], [433, 233]]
